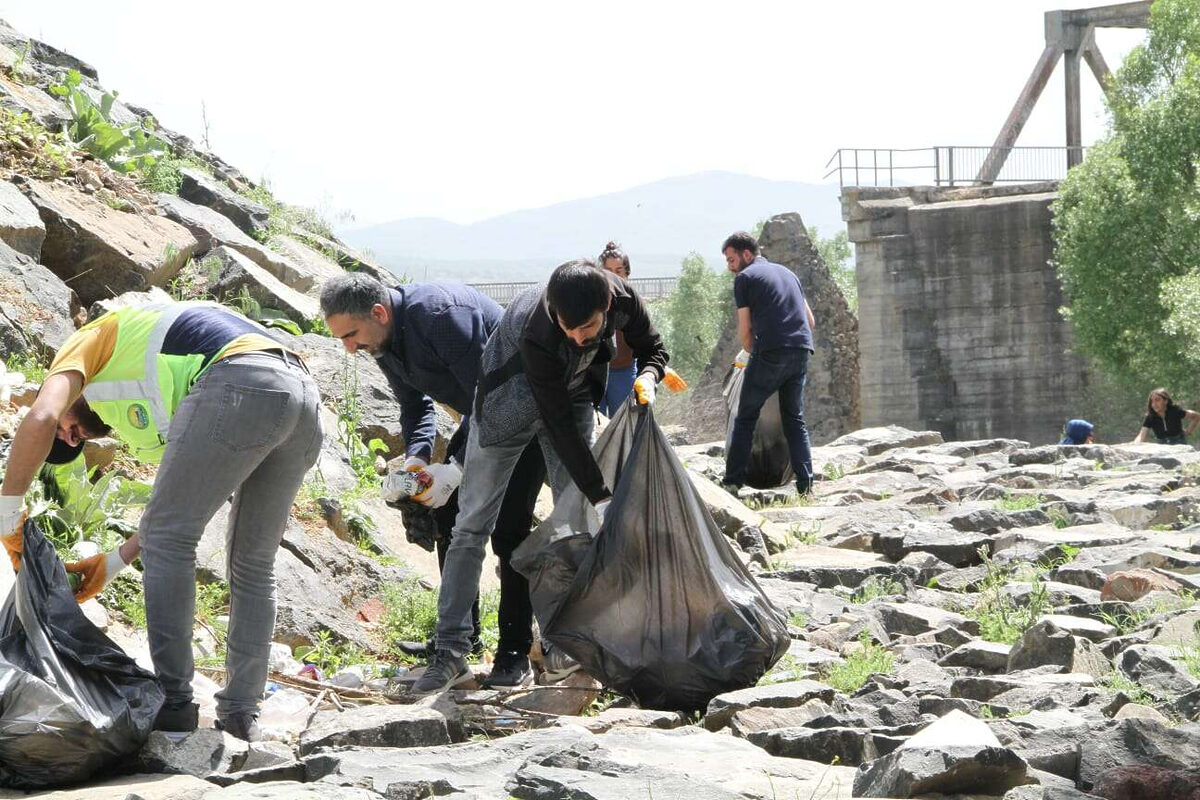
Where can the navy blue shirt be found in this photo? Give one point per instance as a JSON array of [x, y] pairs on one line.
[[438, 334], [776, 302]]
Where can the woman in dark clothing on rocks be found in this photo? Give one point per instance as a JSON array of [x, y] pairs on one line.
[[1165, 420]]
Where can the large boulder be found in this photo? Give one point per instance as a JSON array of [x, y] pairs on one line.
[[376, 726], [201, 188], [212, 230], [831, 397], [309, 261], [21, 227], [880, 440], [36, 308], [1047, 644], [239, 276], [1137, 741], [101, 252]]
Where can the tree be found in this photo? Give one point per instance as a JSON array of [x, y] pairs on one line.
[[835, 253], [695, 314], [1127, 220]]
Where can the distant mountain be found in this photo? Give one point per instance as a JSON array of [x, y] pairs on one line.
[[658, 224]]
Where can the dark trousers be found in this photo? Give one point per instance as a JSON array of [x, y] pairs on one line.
[[781, 370], [515, 615]]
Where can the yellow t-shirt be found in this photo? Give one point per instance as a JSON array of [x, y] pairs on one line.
[[87, 351]]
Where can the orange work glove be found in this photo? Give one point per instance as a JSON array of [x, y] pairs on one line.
[[674, 381], [643, 389], [97, 572]]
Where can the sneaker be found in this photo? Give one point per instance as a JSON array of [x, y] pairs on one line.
[[557, 664], [444, 671], [511, 671], [242, 726], [177, 720]]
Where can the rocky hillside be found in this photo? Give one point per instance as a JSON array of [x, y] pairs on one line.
[[976, 619]]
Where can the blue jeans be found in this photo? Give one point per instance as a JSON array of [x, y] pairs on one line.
[[781, 370], [620, 386]]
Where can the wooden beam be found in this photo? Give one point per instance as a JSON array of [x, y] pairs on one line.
[[1074, 115], [1095, 60], [1019, 114], [1122, 15]]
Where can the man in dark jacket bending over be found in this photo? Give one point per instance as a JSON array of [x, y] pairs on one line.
[[542, 376], [427, 339]]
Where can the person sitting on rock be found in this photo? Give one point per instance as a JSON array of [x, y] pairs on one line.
[[427, 339], [1165, 420], [1078, 431], [226, 410], [775, 325], [541, 379]]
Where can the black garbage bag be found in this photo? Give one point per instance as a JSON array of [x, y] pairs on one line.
[[71, 701], [660, 608], [770, 461]]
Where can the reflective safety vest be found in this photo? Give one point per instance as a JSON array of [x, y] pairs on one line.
[[138, 390]]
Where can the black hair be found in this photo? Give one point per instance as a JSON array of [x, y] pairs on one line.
[[613, 250], [576, 291], [739, 241], [354, 293], [1165, 395]]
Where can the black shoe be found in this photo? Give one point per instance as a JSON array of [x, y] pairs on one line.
[[242, 726], [414, 649], [445, 670], [511, 671], [557, 664], [177, 720]]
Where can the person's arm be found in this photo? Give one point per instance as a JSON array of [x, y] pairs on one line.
[[642, 338], [418, 417], [745, 330], [545, 374], [812, 322], [1141, 436], [33, 439], [1193, 418]]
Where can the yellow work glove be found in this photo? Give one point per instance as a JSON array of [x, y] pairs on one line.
[[97, 572], [674, 381], [643, 388], [12, 527]]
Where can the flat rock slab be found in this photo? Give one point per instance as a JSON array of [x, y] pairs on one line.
[[833, 745], [778, 695], [914, 618], [1100, 534], [21, 227], [203, 189], [312, 264], [36, 307], [979, 654], [102, 252], [375, 726], [911, 772], [293, 790], [240, 276], [957, 548], [877, 440], [141, 787]]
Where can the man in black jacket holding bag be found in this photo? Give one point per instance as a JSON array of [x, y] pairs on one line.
[[542, 376], [427, 339]]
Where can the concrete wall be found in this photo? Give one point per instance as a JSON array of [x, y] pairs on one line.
[[959, 329], [831, 392]]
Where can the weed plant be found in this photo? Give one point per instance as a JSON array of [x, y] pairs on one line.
[[855, 670]]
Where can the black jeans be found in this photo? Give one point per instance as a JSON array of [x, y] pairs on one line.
[[515, 615], [781, 370]]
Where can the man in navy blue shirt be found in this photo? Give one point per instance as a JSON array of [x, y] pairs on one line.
[[775, 325], [428, 339]]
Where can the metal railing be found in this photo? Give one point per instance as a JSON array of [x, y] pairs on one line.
[[649, 288], [946, 166]]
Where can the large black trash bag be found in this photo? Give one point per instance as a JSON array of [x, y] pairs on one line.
[[660, 608], [770, 460], [71, 701]]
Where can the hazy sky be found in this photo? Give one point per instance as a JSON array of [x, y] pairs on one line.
[[469, 109]]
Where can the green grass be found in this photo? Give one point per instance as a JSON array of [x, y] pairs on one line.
[[1019, 502], [1118, 681], [875, 587], [410, 615], [332, 656], [803, 533], [126, 596], [856, 669], [1000, 618], [1189, 654], [833, 471], [785, 501], [1132, 619], [29, 364], [798, 619]]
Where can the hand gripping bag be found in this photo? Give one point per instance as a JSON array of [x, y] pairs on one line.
[[71, 701], [660, 608], [770, 461]]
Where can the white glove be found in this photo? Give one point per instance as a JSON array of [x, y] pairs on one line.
[[12, 506], [602, 509], [414, 464], [446, 478], [643, 389]]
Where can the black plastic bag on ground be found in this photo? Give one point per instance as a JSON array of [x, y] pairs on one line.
[[660, 608], [71, 701], [770, 460]]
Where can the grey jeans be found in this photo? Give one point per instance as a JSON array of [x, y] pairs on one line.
[[484, 482], [249, 428]]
